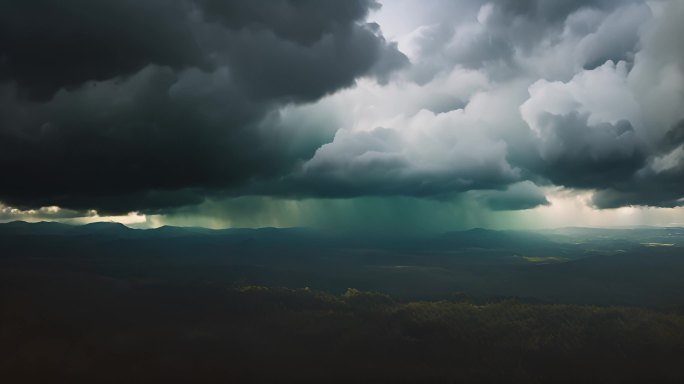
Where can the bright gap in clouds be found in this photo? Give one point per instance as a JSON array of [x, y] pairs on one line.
[[407, 215], [67, 216]]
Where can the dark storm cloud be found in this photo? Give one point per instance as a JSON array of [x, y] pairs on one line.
[[662, 185], [147, 105], [140, 105], [554, 11], [303, 22], [118, 147], [524, 195], [490, 35], [46, 45], [526, 23], [659, 183], [267, 67], [589, 156], [383, 162]]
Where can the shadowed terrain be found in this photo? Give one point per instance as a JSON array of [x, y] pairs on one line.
[[107, 303]]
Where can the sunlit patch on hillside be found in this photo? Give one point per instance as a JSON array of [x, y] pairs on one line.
[[545, 259], [657, 245]]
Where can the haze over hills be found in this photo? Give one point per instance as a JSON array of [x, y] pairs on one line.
[[590, 266]]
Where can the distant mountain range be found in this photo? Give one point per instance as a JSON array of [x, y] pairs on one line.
[[640, 266]]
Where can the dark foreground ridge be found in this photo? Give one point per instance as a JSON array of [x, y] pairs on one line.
[[106, 331]]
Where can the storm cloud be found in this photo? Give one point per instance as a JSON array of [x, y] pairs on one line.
[[158, 106], [140, 105]]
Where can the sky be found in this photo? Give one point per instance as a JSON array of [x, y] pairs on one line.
[[397, 116]]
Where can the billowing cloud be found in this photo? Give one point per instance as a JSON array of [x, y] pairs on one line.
[[140, 105], [519, 196], [584, 128], [161, 106], [49, 45], [428, 154], [615, 128]]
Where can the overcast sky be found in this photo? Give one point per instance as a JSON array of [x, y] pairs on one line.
[[395, 116]]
